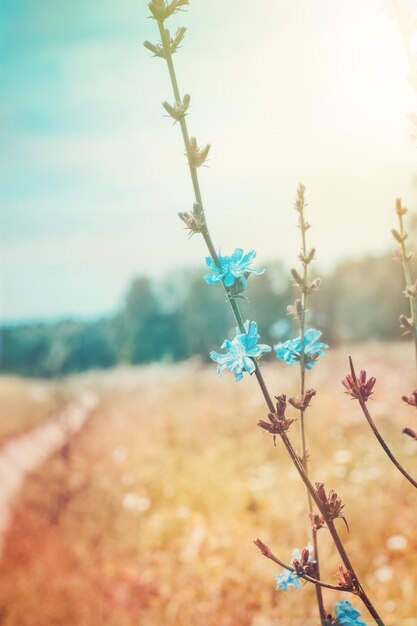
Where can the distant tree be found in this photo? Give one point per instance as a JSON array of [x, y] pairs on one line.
[[143, 330], [362, 299]]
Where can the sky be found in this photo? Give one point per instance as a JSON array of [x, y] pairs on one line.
[[92, 173]]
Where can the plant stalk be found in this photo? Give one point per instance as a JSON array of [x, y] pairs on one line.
[[239, 320], [377, 434], [408, 282], [303, 439]]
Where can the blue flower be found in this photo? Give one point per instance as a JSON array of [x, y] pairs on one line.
[[240, 351], [296, 553], [347, 615], [290, 351], [232, 268], [287, 579]]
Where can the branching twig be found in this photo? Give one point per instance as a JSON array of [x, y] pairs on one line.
[[359, 391], [306, 258], [319, 583]]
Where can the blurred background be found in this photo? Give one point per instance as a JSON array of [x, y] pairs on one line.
[[145, 505]]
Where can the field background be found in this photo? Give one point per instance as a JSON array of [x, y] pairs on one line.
[[148, 515]]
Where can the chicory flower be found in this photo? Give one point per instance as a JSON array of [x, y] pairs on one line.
[[290, 351], [235, 267], [347, 615], [240, 352]]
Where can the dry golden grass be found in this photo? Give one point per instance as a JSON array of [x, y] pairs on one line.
[[148, 517], [26, 403]]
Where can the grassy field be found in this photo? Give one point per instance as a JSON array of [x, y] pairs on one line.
[[24, 404], [148, 516]]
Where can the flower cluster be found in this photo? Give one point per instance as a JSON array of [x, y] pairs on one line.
[[278, 423], [286, 579], [240, 352], [359, 387], [161, 9], [303, 561], [347, 615], [290, 351], [331, 502], [235, 267]]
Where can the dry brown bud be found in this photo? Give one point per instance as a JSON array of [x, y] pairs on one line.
[[266, 551], [302, 403], [345, 577], [410, 432], [317, 521], [359, 388], [412, 399]]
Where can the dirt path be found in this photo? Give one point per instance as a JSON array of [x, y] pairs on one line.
[[27, 452]]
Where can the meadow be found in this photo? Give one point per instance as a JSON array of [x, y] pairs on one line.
[[148, 515]]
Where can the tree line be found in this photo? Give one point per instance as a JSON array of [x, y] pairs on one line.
[[358, 300]]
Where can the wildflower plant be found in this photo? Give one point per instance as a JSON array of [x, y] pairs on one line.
[[293, 350], [233, 269], [240, 352], [359, 387], [243, 352]]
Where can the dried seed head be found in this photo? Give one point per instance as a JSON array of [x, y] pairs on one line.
[[411, 291], [412, 399], [406, 323], [281, 405], [307, 258], [398, 237], [306, 564], [410, 432], [399, 209], [358, 387], [179, 109], [174, 42], [297, 278], [299, 309], [157, 49], [305, 555], [161, 9], [345, 577], [302, 403], [194, 220], [331, 502], [197, 156], [314, 286], [278, 423], [266, 551], [300, 201], [317, 521]]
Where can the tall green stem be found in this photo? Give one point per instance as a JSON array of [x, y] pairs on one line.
[[407, 278], [303, 439], [239, 320]]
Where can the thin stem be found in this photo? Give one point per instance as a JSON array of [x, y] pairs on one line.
[[235, 308], [333, 532], [310, 579], [408, 281], [376, 432], [303, 439]]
